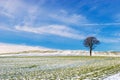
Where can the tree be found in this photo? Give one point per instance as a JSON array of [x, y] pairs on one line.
[[91, 43]]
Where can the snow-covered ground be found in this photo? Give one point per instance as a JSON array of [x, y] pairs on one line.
[[8, 48], [41, 51], [113, 77], [5, 49], [65, 53]]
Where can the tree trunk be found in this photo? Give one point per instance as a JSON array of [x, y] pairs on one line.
[[90, 52]]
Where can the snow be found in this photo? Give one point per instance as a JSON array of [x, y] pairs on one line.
[[42, 54], [8, 48], [113, 77], [13, 48]]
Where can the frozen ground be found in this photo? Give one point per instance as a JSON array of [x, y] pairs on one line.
[[19, 60], [57, 67], [8, 48], [23, 50], [113, 77]]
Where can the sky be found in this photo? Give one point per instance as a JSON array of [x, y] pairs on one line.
[[60, 24]]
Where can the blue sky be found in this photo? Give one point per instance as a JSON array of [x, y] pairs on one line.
[[60, 24]]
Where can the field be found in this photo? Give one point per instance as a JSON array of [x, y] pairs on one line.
[[58, 67]]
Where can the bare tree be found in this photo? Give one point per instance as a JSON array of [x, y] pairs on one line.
[[91, 42]]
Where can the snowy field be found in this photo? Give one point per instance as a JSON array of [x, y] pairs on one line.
[[23, 50], [21, 62], [57, 67], [113, 77]]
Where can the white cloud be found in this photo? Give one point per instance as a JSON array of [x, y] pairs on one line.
[[10, 8], [6, 14], [4, 27], [59, 30], [100, 24], [117, 34], [109, 40], [65, 17], [117, 17], [18, 9], [29, 13], [15, 8], [31, 16]]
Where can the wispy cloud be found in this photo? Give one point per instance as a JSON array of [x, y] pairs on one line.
[[100, 24], [29, 13], [116, 17], [74, 22], [109, 40], [4, 27], [66, 17], [17, 10], [9, 8], [117, 34], [59, 30]]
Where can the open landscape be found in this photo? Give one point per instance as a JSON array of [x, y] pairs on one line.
[[59, 39], [31, 63], [58, 67]]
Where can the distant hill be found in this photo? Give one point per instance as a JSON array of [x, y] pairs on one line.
[[23, 50], [11, 48]]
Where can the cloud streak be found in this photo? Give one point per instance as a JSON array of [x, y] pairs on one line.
[[101, 24], [59, 30], [109, 40], [10, 8], [66, 17]]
